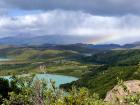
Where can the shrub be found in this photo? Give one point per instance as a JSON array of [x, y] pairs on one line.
[[39, 93]]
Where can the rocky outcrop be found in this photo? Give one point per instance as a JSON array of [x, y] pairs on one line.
[[121, 91]]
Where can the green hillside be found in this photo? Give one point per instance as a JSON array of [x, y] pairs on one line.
[[117, 57], [112, 65], [29, 60]]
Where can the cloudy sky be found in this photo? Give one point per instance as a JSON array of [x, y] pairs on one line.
[[102, 21]]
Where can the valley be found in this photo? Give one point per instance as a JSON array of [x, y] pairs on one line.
[[97, 70], [69, 52]]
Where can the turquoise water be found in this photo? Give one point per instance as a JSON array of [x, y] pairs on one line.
[[59, 79], [4, 59]]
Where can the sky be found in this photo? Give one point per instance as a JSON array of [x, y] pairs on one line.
[[101, 21]]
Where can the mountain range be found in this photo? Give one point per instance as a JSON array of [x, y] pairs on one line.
[[39, 40], [59, 42]]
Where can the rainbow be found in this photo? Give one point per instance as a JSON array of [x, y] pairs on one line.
[[103, 39]]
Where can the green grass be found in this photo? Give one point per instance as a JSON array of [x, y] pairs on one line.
[[57, 61], [68, 68], [10, 69]]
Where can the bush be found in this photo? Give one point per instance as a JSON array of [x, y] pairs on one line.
[[39, 93]]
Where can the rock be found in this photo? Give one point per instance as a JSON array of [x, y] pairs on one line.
[[119, 92]]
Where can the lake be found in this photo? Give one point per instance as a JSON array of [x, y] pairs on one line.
[[59, 79], [4, 59]]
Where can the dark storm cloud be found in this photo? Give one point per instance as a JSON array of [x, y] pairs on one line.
[[98, 19], [101, 7]]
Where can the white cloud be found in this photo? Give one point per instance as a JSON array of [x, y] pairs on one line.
[[116, 29]]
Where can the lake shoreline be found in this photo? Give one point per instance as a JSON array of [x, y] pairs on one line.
[[59, 79]]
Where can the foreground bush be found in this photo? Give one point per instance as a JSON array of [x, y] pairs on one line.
[[36, 92], [39, 93]]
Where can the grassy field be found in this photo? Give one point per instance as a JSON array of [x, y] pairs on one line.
[[28, 60]]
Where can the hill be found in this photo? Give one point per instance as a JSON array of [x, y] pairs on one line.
[[111, 66], [29, 60]]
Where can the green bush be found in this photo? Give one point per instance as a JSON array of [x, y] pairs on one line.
[[39, 93]]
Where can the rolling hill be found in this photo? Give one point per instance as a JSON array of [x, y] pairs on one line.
[[112, 65]]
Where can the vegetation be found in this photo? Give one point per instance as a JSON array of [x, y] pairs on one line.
[[112, 65], [98, 73], [29, 60], [116, 57], [38, 93]]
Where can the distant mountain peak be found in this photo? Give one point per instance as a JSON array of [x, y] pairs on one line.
[[54, 40]]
